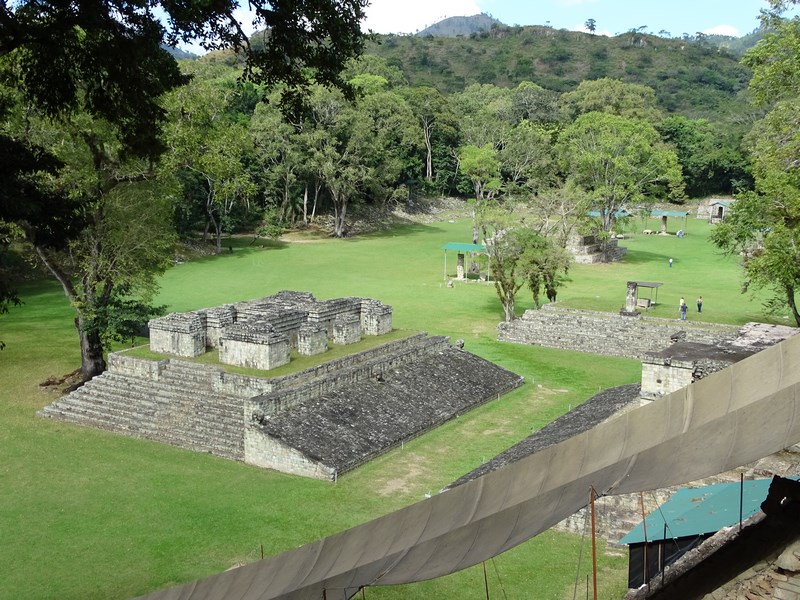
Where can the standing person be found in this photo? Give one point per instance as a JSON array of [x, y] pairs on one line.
[[699, 304], [683, 308], [670, 263]]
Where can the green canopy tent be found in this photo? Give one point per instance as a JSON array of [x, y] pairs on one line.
[[664, 214], [461, 249]]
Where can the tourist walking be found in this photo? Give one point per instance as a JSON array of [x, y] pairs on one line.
[[699, 304], [683, 308]]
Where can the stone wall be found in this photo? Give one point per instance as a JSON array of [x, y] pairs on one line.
[[292, 390], [271, 453], [138, 367], [243, 325], [311, 340], [254, 344], [347, 329], [587, 249], [181, 334], [660, 378], [604, 333]]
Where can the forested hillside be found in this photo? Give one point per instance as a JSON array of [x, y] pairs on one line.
[[689, 77]]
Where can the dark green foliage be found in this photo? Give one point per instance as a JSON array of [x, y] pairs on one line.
[[689, 79], [711, 155], [121, 319]]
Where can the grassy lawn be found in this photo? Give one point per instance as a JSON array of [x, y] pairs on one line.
[[87, 514]]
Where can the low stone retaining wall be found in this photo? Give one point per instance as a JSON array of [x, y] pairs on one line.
[[370, 367], [610, 334]]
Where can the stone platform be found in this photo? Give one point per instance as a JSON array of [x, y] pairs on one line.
[[318, 423]]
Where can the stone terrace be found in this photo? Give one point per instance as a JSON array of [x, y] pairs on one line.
[[180, 408], [390, 407], [344, 411]]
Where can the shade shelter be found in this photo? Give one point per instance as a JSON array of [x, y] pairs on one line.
[[462, 249], [618, 214], [690, 516], [665, 214], [650, 300]]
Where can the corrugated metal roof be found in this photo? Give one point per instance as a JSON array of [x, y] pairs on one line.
[[725, 203], [464, 247], [694, 511]]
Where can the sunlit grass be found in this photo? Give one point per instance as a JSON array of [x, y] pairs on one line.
[[85, 514]]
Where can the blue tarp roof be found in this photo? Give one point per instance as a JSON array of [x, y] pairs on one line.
[[464, 247], [695, 511], [668, 213], [618, 214]]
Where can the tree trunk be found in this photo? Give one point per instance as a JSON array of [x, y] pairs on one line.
[[792, 304], [305, 205], [339, 212], [508, 309], [92, 361], [429, 151], [317, 188]]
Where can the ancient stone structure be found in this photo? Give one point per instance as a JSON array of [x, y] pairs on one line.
[[312, 339], [255, 344], [346, 329], [261, 333], [319, 422], [181, 334], [607, 333], [673, 355], [376, 317], [217, 319], [587, 249], [683, 363]]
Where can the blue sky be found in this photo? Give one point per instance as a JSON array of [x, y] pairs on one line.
[[728, 17]]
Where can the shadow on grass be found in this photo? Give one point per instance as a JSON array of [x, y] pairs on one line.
[[396, 230], [242, 248], [638, 257]]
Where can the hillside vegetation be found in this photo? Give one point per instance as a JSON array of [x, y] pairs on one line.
[[693, 79]]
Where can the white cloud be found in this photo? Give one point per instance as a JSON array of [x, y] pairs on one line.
[[410, 16], [722, 30]]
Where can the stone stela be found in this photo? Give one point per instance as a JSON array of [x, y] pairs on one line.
[[261, 333]]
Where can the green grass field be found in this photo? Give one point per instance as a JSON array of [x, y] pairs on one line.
[[86, 514]]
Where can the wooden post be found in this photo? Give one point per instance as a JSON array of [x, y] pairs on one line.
[[594, 545], [644, 526]]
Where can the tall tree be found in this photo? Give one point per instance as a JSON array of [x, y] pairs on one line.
[[106, 60], [618, 163], [482, 166], [612, 96], [108, 57], [764, 225], [433, 113], [520, 254], [527, 159], [118, 236], [711, 155], [204, 138]]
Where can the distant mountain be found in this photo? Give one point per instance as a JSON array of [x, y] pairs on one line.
[[178, 54], [690, 77], [465, 26], [737, 45]]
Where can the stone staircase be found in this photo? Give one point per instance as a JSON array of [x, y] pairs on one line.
[[181, 408]]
